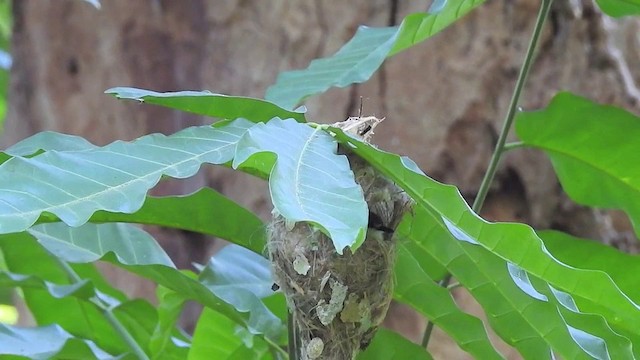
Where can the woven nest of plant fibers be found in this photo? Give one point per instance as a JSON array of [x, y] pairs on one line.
[[338, 301]]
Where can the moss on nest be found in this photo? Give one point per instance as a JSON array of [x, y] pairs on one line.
[[338, 301]]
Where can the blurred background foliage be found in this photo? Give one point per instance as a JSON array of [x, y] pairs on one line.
[[8, 313], [5, 55]]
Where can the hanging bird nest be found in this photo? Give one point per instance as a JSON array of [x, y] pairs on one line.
[[338, 301]]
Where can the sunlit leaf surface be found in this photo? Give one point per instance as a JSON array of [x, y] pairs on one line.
[[359, 58], [594, 150], [74, 184], [309, 181], [209, 104], [444, 220]]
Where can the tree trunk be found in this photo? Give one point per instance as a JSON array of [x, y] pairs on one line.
[[444, 100]]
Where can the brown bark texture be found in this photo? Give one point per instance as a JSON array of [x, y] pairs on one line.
[[444, 100]]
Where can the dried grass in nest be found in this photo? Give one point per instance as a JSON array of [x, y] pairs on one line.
[[338, 301]]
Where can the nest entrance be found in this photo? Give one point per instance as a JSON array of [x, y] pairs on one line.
[[338, 301]]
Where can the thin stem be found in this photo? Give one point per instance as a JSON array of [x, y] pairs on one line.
[[108, 313], [500, 145], [512, 145], [427, 334], [293, 339], [276, 347], [513, 106]]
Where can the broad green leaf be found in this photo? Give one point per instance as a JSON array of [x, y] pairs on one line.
[[594, 150], [213, 337], [131, 245], [235, 268], [46, 140], [170, 305], [206, 211], [47, 342], [140, 318], [589, 254], [415, 288], [49, 140], [241, 278], [389, 345], [74, 184], [81, 318], [309, 181], [209, 104], [530, 325], [590, 330], [444, 207], [191, 212], [216, 337], [359, 58], [618, 8], [82, 290], [136, 255]]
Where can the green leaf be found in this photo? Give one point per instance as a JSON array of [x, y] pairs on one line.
[[170, 304], [46, 140], [590, 330], [618, 8], [74, 184], [235, 268], [49, 140], [522, 321], [241, 278], [81, 318], [131, 245], [82, 290], [137, 254], [594, 150], [309, 181], [415, 288], [443, 207], [359, 58], [194, 212], [47, 342], [388, 345], [140, 318], [209, 104], [589, 254], [216, 337]]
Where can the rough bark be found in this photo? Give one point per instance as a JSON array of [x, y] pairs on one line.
[[444, 100]]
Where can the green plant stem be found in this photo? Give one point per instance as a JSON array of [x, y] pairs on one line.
[[506, 126], [293, 343], [513, 107], [108, 313], [512, 145], [276, 347]]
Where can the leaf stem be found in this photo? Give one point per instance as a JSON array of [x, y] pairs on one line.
[[513, 106], [512, 145], [500, 145], [276, 347], [293, 339], [107, 311]]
